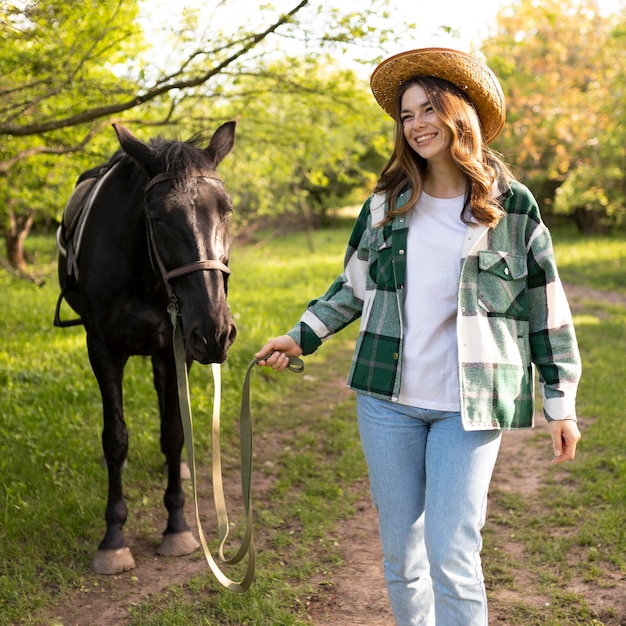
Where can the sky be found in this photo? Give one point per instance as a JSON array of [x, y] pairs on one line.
[[468, 20]]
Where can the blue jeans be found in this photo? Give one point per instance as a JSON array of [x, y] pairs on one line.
[[429, 480]]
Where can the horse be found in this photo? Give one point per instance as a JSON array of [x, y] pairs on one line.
[[153, 225]]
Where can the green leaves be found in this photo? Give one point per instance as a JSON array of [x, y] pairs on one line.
[[68, 70], [562, 67]]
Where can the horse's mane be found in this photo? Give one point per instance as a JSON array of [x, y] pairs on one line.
[[182, 159]]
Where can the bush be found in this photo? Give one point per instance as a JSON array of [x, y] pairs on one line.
[[595, 199]]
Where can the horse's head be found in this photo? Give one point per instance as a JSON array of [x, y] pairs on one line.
[[187, 210]]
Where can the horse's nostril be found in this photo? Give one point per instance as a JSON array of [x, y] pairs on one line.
[[200, 338], [204, 338], [232, 334], [197, 341]]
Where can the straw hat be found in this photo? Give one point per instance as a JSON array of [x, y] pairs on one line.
[[463, 70]]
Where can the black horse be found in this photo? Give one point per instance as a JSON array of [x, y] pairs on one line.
[[152, 231]]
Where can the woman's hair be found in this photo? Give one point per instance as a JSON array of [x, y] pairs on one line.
[[479, 163]]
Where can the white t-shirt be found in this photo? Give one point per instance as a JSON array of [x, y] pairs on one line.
[[430, 377]]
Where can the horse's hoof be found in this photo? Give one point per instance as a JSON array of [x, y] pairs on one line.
[[178, 544], [113, 561]]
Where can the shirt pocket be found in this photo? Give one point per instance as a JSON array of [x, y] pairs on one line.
[[381, 270], [502, 283]]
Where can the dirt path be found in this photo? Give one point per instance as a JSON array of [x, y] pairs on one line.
[[578, 295], [356, 596]]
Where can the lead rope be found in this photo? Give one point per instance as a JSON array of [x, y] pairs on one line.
[[245, 426]]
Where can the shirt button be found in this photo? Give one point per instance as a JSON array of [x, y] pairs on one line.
[[400, 251], [395, 356], [506, 271]]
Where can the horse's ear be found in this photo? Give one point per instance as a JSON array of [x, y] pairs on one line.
[[136, 148], [222, 142]]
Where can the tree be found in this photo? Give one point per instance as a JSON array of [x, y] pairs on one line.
[[67, 70], [306, 145], [55, 60], [562, 65], [594, 190]]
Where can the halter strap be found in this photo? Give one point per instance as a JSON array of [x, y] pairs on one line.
[[165, 176], [196, 266], [209, 264]]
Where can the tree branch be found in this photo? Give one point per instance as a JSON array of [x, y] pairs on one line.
[[7, 164], [150, 94]]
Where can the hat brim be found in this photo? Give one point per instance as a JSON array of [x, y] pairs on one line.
[[463, 70]]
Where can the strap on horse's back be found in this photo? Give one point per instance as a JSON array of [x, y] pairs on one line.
[[70, 232], [75, 214], [74, 209]]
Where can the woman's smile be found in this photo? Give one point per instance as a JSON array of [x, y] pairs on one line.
[[423, 128], [421, 139]]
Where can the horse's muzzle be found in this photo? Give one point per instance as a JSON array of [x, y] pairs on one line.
[[207, 342]]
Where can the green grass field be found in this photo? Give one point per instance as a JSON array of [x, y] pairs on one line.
[[52, 487]]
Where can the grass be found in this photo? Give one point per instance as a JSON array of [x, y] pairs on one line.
[[595, 261], [53, 488]]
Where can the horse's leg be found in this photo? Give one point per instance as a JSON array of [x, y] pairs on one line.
[[177, 538], [113, 556]]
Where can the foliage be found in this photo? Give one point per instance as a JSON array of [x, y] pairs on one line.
[[56, 61], [562, 67], [41, 86], [68, 70], [595, 196], [302, 146], [310, 136]]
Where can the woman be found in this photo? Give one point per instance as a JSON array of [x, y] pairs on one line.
[[452, 274]]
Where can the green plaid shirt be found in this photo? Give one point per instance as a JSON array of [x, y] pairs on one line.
[[512, 313]]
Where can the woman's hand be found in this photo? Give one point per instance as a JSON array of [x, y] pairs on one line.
[[565, 436], [276, 352]]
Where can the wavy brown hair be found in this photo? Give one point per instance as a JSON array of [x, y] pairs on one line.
[[481, 166]]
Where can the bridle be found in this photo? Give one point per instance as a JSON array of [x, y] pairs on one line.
[[246, 548], [155, 257]]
